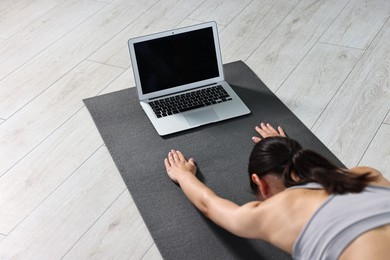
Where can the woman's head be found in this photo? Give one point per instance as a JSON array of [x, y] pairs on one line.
[[285, 159], [272, 155]]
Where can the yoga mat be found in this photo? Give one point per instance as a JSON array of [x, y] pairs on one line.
[[221, 151]]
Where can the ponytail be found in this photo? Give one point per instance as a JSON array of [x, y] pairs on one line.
[[296, 166]]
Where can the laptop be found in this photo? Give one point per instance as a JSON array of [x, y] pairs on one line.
[[180, 81]]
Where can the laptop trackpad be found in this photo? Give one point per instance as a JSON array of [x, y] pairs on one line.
[[201, 117]]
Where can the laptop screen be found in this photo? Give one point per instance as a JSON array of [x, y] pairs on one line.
[[176, 60]]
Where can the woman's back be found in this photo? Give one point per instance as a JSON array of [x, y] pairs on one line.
[[289, 213], [285, 215], [374, 242]]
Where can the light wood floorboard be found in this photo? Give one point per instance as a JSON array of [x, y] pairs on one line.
[[358, 23], [45, 168], [95, 182], [104, 1], [21, 13], [189, 22], [152, 254], [61, 195], [7, 4], [125, 80], [315, 81], [387, 119], [43, 32], [251, 27], [380, 143], [221, 11], [40, 73], [105, 239], [116, 51], [281, 52], [32, 124], [360, 106]]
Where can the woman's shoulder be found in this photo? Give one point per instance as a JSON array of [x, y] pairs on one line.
[[380, 179], [365, 169]]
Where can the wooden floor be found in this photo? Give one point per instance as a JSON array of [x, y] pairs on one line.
[[61, 195]]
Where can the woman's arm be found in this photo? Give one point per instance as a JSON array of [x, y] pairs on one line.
[[240, 220]]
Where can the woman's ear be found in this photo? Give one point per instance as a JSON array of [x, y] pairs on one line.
[[261, 184], [255, 179], [295, 176]]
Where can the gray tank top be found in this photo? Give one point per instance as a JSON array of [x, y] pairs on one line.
[[340, 220]]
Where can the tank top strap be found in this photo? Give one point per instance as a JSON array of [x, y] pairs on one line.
[[310, 185]]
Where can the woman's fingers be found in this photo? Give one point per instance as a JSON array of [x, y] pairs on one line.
[[270, 128], [180, 156], [192, 161], [281, 131], [166, 163], [170, 157], [176, 156], [267, 130], [256, 139]]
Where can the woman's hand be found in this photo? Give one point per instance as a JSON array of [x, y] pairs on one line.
[[266, 130], [176, 165]]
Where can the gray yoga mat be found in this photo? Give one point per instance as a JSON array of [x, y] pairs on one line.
[[221, 151]]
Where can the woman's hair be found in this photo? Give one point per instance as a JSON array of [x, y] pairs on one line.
[[284, 156]]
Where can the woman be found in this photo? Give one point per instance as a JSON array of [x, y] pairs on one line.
[[307, 206]]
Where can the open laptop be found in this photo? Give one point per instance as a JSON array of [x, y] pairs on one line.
[[180, 81]]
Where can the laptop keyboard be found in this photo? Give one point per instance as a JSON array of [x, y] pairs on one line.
[[190, 100]]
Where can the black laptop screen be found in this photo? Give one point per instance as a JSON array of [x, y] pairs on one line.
[[176, 60]]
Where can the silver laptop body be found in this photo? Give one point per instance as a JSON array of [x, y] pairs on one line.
[[169, 65]]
